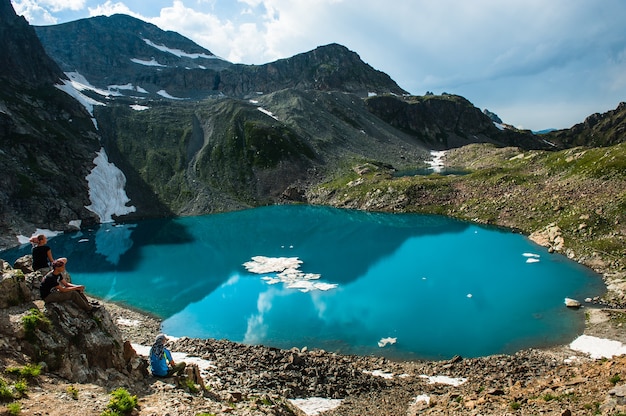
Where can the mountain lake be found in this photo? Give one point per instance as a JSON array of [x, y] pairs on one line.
[[402, 286]]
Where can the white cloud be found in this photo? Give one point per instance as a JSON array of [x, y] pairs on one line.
[[58, 5], [33, 12], [109, 8]]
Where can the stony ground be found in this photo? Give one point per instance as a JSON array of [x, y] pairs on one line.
[[247, 380]]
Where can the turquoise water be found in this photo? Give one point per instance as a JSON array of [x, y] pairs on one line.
[[436, 286]]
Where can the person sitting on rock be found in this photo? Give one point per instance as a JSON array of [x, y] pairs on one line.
[[54, 288], [42, 254], [161, 360]]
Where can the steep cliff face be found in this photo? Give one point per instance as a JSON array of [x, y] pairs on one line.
[[47, 139], [76, 345]]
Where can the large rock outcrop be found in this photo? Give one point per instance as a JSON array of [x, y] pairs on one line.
[[76, 345]]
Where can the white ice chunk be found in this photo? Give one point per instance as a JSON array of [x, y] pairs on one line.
[[262, 264], [287, 269], [387, 341]]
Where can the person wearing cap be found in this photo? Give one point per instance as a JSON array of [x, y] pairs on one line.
[[54, 288], [161, 361]]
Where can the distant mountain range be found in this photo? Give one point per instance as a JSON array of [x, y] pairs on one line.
[[193, 133]]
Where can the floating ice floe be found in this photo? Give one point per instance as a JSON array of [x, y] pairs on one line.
[[387, 341], [262, 264], [531, 257], [288, 273]]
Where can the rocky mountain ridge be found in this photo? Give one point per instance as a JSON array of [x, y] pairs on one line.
[[604, 129], [126, 56]]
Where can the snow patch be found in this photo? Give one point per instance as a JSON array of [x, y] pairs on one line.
[[269, 113], [152, 62], [75, 224], [436, 163], [106, 189], [138, 107], [314, 406], [500, 126], [598, 347], [22, 239], [164, 94], [87, 102], [203, 365], [380, 373], [128, 322], [126, 87], [421, 398], [178, 52], [451, 381]]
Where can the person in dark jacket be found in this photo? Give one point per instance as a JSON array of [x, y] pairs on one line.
[[42, 254], [54, 288]]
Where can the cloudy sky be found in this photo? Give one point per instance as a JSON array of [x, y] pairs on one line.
[[536, 63]]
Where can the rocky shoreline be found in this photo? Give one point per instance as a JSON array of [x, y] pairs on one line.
[[535, 381]]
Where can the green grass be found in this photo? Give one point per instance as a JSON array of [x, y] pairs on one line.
[[121, 403], [33, 320]]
